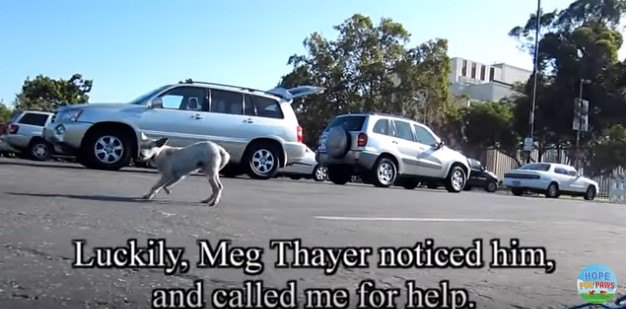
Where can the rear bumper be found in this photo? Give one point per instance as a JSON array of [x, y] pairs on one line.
[[532, 184], [66, 137], [358, 159]]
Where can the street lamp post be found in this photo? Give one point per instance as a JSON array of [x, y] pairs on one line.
[[580, 109], [535, 73]]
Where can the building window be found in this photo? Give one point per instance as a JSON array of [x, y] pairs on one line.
[[474, 70], [464, 69], [492, 73], [483, 68]]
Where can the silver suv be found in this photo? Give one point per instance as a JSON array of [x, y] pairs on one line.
[[258, 128], [25, 134], [389, 150]]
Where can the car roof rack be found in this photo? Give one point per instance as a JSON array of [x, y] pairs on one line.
[[392, 115]]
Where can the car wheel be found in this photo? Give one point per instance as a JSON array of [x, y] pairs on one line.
[[339, 175], [491, 187], [553, 191], [385, 173], [338, 142], [456, 179], [263, 161], [517, 191], [40, 150], [320, 173], [107, 150], [590, 194]]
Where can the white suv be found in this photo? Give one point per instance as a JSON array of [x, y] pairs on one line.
[[258, 128], [387, 150]]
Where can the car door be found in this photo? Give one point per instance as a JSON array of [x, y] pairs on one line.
[[226, 123], [178, 115], [429, 159], [566, 181], [578, 183], [404, 141]]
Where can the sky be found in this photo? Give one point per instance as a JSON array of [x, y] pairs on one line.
[[131, 47]]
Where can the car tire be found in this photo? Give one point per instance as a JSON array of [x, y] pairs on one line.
[[263, 161], [491, 187], [517, 191], [339, 175], [590, 194], [39, 150], [384, 173], [338, 142], [455, 182], [552, 191], [320, 173], [107, 150]]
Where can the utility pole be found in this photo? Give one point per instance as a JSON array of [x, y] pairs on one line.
[[535, 73], [580, 115]]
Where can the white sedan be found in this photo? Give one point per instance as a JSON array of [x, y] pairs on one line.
[[305, 168], [551, 179]]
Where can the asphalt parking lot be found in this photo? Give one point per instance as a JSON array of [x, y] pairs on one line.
[[46, 205]]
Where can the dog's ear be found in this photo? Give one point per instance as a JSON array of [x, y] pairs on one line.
[[160, 142]]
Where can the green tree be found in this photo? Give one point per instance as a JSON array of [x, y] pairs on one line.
[[47, 94], [5, 112], [490, 125], [609, 151], [370, 68], [578, 42]]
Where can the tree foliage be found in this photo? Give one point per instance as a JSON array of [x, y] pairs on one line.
[[578, 42], [609, 151], [5, 112], [48, 94], [370, 68]]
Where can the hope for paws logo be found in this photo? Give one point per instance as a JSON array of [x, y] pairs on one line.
[[597, 284]]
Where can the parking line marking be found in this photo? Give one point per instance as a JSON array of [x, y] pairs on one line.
[[414, 219]]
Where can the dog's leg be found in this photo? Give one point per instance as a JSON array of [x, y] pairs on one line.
[[220, 188], [155, 189], [210, 175], [171, 183]]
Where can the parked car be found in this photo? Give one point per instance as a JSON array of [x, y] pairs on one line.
[[258, 128], [551, 179], [25, 134], [481, 177], [5, 149], [305, 168], [389, 150]]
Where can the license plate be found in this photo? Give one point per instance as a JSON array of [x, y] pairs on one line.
[[516, 183]]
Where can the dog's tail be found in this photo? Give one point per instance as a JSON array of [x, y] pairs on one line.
[[225, 157]]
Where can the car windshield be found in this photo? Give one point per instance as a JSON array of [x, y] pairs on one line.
[[536, 167], [142, 99]]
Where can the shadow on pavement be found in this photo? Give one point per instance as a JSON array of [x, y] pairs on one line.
[[109, 198]]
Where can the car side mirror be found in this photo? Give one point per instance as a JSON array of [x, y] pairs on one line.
[[156, 103], [440, 145]]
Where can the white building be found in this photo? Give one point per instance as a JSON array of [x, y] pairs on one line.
[[481, 82]]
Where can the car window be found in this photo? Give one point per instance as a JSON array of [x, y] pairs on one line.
[[403, 130], [571, 172], [382, 127], [536, 167], [560, 170], [262, 107], [226, 102], [350, 123], [34, 119], [185, 98], [423, 136]]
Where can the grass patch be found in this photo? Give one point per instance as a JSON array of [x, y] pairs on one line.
[[597, 298]]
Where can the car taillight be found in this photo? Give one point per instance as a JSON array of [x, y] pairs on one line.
[[13, 129], [299, 133], [361, 140]]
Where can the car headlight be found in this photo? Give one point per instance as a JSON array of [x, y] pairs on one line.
[[68, 116]]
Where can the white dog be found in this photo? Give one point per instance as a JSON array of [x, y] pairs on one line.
[[175, 163]]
